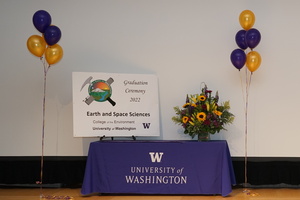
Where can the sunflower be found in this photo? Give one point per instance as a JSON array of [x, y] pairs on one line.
[[201, 116], [186, 105], [185, 119], [202, 98]]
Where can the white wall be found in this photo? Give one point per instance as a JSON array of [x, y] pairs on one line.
[[184, 42]]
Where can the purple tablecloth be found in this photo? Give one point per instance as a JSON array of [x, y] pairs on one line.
[[159, 167]]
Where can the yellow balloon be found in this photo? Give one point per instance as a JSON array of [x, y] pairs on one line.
[[253, 61], [247, 19], [54, 54], [36, 45]]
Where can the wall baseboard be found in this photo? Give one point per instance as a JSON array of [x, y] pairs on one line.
[[62, 171]]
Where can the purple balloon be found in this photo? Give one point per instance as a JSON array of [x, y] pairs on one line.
[[241, 40], [52, 35], [238, 58], [252, 38], [41, 20]]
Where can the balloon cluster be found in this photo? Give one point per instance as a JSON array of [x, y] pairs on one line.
[[248, 37], [47, 43]]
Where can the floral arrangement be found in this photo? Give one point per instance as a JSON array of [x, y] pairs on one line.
[[201, 114]]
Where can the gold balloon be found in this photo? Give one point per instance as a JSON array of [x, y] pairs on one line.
[[253, 61], [36, 45], [54, 54], [247, 19]]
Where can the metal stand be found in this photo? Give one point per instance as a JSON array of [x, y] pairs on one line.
[[112, 138]]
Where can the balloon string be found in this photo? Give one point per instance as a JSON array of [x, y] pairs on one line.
[[43, 127], [246, 126], [242, 87]]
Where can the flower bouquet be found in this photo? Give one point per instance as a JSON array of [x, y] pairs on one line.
[[201, 115]]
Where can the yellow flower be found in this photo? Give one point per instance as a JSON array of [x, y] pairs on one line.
[[186, 105], [202, 98], [201, 116], [189, 104], [185, 119], [193, 99], [217, 112]]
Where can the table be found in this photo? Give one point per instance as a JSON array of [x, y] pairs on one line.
[[158, 167]]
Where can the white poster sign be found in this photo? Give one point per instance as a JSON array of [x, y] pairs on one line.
[[111, 104]]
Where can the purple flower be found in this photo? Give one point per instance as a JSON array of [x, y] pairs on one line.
[[187, 99]]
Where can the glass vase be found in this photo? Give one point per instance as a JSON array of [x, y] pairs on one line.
[[203, 137]]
